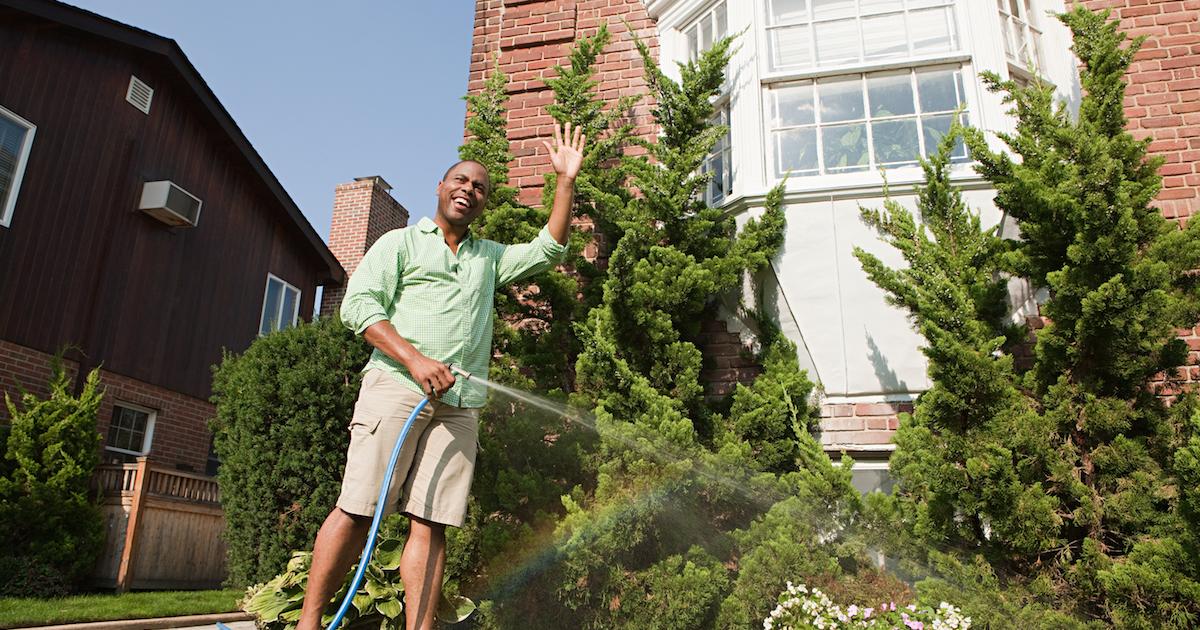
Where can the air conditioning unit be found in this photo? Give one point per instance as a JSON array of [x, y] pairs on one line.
[[170, 204]]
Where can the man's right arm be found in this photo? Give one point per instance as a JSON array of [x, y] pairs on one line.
[[434, 376], [367, 306]]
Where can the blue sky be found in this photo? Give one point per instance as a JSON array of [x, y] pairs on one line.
[[329, 91]]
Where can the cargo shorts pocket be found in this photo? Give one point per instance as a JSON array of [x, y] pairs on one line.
[[365, 423]]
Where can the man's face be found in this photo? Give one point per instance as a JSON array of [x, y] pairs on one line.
[[463, 193]]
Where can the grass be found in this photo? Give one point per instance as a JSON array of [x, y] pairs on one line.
[[22, 611]]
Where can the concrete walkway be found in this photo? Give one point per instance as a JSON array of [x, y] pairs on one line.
[[235, 621]]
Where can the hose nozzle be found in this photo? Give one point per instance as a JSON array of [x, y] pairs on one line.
[[466, 376]]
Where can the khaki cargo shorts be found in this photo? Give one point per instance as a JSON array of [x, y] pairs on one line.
[[435, 465]]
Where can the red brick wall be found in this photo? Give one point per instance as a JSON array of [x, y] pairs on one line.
[[529, 38], [1163, 97], [363, 210], [1162, 102], [181, 436]]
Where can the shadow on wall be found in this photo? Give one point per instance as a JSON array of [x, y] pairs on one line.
[[889, 381]]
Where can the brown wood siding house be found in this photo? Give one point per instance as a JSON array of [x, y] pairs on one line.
[[81, 267]]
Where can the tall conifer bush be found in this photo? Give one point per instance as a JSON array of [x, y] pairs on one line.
[[1075, 481], [51, 522], [281, 432]]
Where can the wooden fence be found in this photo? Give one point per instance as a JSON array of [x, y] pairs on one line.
[[164, 529]]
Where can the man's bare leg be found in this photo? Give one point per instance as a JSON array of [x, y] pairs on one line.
[[338, 545], [421, 568]]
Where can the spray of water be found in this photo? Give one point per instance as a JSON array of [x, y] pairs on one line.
[[588, 420]]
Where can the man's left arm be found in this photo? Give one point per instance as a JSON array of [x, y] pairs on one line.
[[521, 261]]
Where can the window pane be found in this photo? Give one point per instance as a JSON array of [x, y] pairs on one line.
[[793, 105], [722, 24], [788, 10], [287, 315], [12, 136], [871, 7], [890, 94], [841, 99], [937, 90], [693, 44], [706, 38], [931, 30], [837, 42], [880, 36], [895, 142], [790, 47], [844, 148], [935, 128], [796, 151], [827, 9], [128, 429], [270, 318]]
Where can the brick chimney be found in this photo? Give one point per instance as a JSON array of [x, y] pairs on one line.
[[363, 210]]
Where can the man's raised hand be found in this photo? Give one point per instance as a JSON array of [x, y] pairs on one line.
[[566, 153]]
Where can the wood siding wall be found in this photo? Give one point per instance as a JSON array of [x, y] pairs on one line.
[[81, 266]]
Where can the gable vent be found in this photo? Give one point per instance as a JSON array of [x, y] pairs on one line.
[[139, 94]]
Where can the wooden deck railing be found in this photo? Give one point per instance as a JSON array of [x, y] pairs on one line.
[[121, 479], [163, 523]]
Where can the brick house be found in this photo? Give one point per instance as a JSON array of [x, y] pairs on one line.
[[808, 73], [139, 228]]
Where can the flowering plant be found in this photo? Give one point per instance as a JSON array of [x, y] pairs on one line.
[[801, 608]]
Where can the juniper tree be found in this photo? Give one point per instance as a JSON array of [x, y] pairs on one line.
[[52, 524], [1074, 481]]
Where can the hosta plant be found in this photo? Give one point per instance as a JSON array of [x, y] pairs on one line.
[[802, 608], [378, 603]]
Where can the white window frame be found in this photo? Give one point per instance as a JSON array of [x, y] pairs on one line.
[[720, 109], [811, 22], [147, 441], [707, 14], [278, 315], [6, 210], [820, 126], [958, 55], [873, 464], [1026, 21]]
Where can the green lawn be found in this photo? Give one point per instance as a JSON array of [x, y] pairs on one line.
[[17, 612]]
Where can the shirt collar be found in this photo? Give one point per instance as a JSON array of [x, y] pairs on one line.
[[427, 226]]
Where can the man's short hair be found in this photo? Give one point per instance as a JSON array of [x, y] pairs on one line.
[[456, 164]]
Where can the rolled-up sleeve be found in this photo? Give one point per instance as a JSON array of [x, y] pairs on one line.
[[374, 286], [518, 262]]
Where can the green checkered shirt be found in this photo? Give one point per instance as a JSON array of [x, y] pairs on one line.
[[441, 303]]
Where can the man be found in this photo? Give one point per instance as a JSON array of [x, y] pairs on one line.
[[423, 297]]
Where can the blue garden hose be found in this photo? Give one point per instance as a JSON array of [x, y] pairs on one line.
[[380, 505]]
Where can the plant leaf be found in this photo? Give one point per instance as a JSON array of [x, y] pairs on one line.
[[390, 607], [454, 609]]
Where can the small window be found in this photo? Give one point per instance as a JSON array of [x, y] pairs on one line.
[[1022, 38], [16, 137], [872, 475], [130, 433], [281, 306], [212, 462], [719, 163], [712, 26]]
